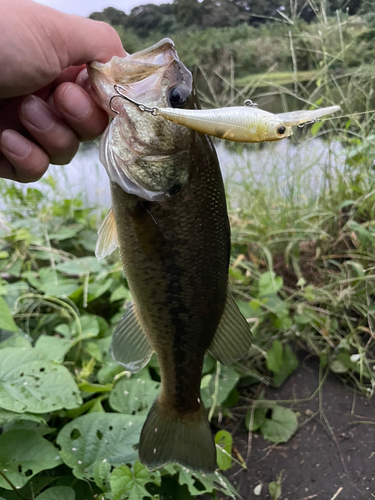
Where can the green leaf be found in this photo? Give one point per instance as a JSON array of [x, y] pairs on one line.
[[57, 493], [65, 232], [31, 455], [102, 475], [53, 347], [281, 361], [133, 396], [274, 490], [208, 482], [39, 427], [11, 416], [80, 266], [96, 289], [258, 418], [276, 306], [89, 325], [14, 290], [93, 350], [275, 357], [16, 340], [6, 318], [209, 364], [315, 128], [121, 293], [269, 284], [107, 373], [289, 364], [280, 426], [86, 407], [92, 388], [124, 481], [227, 382], [31, 382], [362, 231], [53, 284], [97, 437], [224, 441]]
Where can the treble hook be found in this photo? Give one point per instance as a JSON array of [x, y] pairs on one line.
[[141, 107], [311, 122], [250, 103]]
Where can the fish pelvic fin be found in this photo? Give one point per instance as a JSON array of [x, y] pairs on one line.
[[233, 336], [187, 440], [107, 237], [130, 346]]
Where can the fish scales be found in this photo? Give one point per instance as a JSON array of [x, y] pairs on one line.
[[175, 256], [170, 222]]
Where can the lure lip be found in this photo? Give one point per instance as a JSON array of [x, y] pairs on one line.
[[301, 117]]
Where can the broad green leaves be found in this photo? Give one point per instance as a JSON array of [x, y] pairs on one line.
[[281, 361], [57, 493], [276, 423], [134, 395], [199, 483], [218, 389], [31, 382], [94, 438], [131, 482], [23, 454], [269, 284], [223, 442], [6, 319]]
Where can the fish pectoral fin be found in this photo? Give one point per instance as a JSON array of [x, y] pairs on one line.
[[130, 346], [107, 237], [233, 336]]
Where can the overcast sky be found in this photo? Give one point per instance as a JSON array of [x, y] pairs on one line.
[[86, 7]]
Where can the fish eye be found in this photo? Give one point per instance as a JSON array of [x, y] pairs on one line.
[[281, 130], [178, 96]]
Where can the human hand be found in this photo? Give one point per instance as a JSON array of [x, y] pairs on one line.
[[45, 102]]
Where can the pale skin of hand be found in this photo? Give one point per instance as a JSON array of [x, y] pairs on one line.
[[46, 104]]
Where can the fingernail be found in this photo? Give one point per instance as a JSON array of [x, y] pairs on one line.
[[15, 144], [35, 111], [76, 102]]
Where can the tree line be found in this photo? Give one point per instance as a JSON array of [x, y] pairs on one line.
[[167, 19]]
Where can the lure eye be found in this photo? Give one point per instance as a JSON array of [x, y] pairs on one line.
[[178, 96], [281, 130]]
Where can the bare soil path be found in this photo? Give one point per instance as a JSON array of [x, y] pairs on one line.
[[332, 455]]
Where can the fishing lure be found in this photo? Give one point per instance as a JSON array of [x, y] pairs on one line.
[[245, 123]]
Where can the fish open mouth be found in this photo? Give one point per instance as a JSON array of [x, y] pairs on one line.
[[142, 75]]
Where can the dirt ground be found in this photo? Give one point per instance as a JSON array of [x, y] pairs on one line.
[[332, 455]]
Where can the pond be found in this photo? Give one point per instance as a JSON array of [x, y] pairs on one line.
[[280, 167]]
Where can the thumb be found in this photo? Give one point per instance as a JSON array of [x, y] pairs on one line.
[[85, 40]]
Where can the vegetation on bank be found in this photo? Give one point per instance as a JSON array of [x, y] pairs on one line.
[[302, 270]]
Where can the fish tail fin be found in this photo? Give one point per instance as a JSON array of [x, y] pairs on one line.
[[187, 440]]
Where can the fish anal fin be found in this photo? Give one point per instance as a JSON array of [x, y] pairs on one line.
[[233, 336], [107, 237], [130, 346], [167, 438]]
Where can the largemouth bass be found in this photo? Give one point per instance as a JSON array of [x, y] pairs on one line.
[[170, 222], [237, 123]]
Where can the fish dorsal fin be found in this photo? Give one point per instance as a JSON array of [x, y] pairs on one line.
[[107, 237], [233, 336], [130, 346]]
